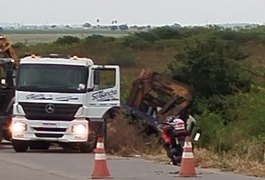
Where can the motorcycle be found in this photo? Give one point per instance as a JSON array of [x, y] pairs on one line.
[[174, 140]]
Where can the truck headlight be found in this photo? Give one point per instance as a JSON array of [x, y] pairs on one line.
[[18, 127], [79, 129]]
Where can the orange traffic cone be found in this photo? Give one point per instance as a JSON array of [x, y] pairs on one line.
[[187, 166], [101, 170]]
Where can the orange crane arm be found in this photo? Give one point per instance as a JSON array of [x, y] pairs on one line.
[[159, 92], [7, 50]]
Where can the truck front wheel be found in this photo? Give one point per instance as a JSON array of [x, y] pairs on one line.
[[20, 146]]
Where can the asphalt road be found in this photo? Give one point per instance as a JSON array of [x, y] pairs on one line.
[[56, 164]]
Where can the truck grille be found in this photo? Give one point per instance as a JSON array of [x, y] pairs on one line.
[[44, 132], [46, 135], [42, 111], [50, 129]]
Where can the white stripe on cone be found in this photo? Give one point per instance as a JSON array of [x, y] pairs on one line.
[[187, 145], [187, 155], [100, 157], [100, 145]]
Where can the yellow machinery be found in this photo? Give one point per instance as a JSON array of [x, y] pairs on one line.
[[7, 50], [155, 97], [9, 62]]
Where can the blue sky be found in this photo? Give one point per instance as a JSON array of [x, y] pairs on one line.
[[133, 12]]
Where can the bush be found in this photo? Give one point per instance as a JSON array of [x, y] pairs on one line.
[[167, 32], [98, 38], [123, 58], [124, 143], [166, 43], [48, 48], [239, 37], [213, 132], [21, 49], [136, 42], [148, 36], [69, 40]]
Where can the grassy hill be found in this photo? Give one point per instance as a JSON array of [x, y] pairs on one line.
[[232, 123], [157, 49]]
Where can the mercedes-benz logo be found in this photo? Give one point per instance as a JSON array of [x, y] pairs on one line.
[[49, 108]]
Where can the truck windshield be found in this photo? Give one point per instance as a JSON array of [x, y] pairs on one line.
[[52, 78]]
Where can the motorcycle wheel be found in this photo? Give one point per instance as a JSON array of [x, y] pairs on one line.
[[176, 160]]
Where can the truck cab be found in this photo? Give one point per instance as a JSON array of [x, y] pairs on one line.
[[63, 100]]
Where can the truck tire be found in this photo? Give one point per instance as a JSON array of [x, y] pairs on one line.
[[20, 146], [1, 132], [88, 146], [6, 129]]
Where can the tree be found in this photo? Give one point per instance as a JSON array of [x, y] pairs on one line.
[[1, 29], [68, 27], [86, 25], [123, 27], [113, 28], [212, 68]]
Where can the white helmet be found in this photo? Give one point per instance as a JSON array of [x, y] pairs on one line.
[[178, 124]]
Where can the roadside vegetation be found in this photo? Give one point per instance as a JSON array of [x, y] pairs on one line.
[[225, 69]]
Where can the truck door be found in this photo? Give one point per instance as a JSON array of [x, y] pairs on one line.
[[104, 89]]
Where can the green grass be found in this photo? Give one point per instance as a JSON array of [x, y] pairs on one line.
[[49, 35]]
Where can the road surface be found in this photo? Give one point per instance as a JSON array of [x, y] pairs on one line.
[[56, 164]]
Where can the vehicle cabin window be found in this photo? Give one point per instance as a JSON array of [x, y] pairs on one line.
[[104, 78], [52, 77]]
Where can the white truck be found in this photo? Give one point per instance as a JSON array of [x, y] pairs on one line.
[[63, 100]]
